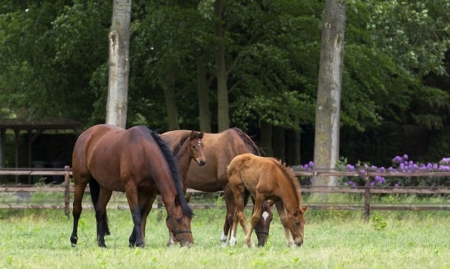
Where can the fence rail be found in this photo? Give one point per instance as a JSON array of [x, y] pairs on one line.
[[366, 190]]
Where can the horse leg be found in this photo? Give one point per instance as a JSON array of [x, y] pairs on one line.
[[100, 215], [80, 186], [132, 198], [283, 217], [229, 218], [234, 228], [239, 214], [146, 204], [256, 215]]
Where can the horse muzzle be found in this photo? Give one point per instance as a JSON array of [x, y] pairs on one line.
[[298, 242], [201, 162]]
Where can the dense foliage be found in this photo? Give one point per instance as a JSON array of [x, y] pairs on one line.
[[54, 57]]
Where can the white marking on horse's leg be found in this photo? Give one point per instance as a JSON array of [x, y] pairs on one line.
[[232, 241], [265, 215], [289, 239], [223, 239]]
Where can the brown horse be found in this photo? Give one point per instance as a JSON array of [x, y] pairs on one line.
[[266, 178], [135, 161], [220, 149], [190, 148]]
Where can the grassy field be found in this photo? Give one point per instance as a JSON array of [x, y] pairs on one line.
[[333, 239]]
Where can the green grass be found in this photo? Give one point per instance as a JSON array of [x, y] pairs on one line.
[[333, 239]]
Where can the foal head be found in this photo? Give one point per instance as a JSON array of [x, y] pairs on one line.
[[296, 224], [196, 147]]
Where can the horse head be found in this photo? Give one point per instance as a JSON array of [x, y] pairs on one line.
[[196, 147], [296, 224], [179, 224], [263, 226]]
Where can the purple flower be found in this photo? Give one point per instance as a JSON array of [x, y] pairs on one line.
[[405, 157], [380, 179], [397, 159]]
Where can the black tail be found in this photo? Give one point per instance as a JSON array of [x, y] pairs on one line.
[[187, 211], [95, 192]]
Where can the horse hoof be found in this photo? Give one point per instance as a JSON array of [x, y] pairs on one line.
[[74, 245]]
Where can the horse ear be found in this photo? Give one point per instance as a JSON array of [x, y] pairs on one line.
[[192, 136], [305, 208], [296, 211], [270, 202], [202, 133]]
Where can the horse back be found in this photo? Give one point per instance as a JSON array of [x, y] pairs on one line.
[[258, 174], [110, 154]]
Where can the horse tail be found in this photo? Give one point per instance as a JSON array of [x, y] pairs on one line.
[[248, 141], [95, 193], [187, 211]]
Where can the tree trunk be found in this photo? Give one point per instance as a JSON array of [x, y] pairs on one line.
[[266, 138], [278, 142], [221, 72], [119, 64], [204, 113], [326, 144], [169, 97]]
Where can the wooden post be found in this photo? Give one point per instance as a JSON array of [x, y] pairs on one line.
[[66, 191], [367, 197]]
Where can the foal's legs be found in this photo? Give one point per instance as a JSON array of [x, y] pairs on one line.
[[80, 186], [257, 210], [100, 215], [239, 214], [283, 217]]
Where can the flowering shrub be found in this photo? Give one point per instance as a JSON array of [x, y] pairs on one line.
[[399, 164]]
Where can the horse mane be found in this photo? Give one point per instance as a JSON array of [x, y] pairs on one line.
[[290, 174], [179, 145], [251, 145], [174, 170]]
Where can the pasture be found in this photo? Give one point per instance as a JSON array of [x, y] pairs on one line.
[[33, 238]]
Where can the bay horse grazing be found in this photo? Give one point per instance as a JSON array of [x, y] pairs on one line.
[[266, 178], [190, 148], [135, 161], [220, 149]]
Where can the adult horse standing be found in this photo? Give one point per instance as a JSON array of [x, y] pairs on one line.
[[135, 161], [220, 149], [266, 178]]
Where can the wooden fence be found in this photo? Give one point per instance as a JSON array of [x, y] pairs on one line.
[[366, 190]]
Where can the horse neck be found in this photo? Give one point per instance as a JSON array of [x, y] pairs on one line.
[[291, 199], [183, 158]]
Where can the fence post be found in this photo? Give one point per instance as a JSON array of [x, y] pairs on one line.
[[66, 191], [367, 197]]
